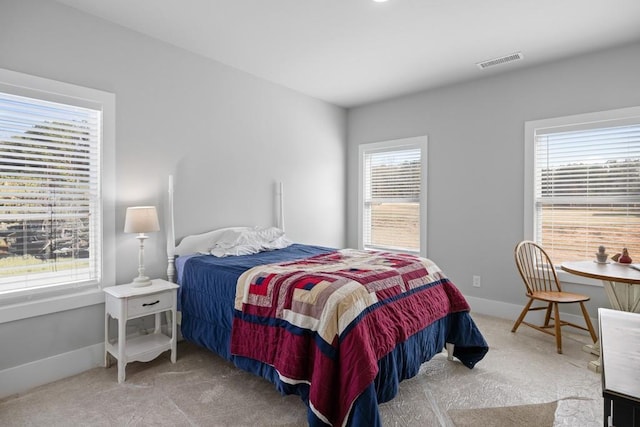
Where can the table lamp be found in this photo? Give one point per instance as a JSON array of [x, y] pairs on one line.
[[141, 219]]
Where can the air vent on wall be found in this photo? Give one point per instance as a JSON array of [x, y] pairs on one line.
[[502, 60]]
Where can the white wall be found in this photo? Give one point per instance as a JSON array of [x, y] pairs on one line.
[[225, 135], [476, 157]]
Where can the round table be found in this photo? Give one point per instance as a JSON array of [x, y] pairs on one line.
[[621, 284]]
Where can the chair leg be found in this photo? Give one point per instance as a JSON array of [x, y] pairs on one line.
[[547, 316], [557, 325], [587, 320], [522, 314]]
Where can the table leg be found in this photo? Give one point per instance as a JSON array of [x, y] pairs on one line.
[[122, 336], [174, 337], [107, 361], [156, 329], [592, 348], [623, 296]]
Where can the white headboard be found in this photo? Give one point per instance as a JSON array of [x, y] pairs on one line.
[[200, 242]]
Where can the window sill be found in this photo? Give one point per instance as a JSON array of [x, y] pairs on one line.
[[565, 277], [40, 305]]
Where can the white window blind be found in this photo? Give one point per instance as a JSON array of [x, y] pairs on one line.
[[587, 189], [50, 206], [391, 203]]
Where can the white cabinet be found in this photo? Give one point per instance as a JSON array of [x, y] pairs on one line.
[[126, 302]]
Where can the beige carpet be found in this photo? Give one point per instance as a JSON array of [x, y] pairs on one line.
[[537, 415], [201, 389]]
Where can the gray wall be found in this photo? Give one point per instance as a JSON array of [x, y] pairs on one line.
[[476, 157], [228, 137], [225, 135]]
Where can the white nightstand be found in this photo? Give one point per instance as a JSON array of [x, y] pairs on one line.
[[126, 302]]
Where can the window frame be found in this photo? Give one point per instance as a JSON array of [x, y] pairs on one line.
[[418, 142], [31, 302], [577, 121]]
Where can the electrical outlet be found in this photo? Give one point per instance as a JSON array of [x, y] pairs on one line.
[[476, 281]]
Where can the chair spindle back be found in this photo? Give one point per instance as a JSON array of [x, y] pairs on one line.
[[536, 268]]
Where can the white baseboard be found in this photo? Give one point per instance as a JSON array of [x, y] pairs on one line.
[[510, 311], [21, 378]]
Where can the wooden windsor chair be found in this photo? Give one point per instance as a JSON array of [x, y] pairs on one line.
[[540, 278]]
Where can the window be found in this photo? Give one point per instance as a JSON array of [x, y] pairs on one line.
[[583, 184], [56, 201], [392, 208]]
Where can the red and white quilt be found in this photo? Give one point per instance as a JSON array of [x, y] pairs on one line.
[[326, 320]]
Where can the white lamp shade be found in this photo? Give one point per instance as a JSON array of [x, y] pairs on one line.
[[141, 219]]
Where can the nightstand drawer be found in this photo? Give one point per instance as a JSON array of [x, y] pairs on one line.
[[144, 304]]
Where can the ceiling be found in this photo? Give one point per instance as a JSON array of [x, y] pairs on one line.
[[353, 52]]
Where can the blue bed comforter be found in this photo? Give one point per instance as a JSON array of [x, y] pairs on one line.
[[206, 299]]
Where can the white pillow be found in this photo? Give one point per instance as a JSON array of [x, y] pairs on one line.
[[278, 243], [269, 234], [234, 251], [249, 241], [202, 243], [228, 239]]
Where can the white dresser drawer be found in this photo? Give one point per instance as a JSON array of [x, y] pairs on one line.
[[145, 304]]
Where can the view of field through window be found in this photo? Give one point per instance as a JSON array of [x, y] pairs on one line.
[[48, 165], [393, 202], [587, 191], [574, 233], [396, 225]]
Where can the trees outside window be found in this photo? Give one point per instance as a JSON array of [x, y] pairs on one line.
[[583, 184], [51, 186]]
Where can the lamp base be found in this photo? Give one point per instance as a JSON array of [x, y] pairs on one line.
[[141, 281]]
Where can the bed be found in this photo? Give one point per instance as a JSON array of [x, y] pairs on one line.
[[339, 328], [337, 365]]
